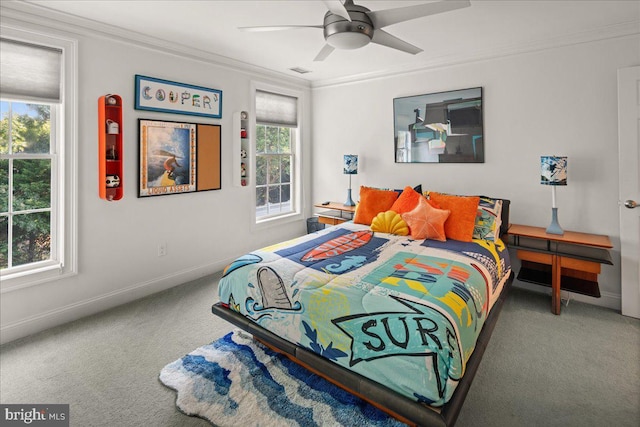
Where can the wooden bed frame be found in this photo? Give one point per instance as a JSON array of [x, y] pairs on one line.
[[391, 402]]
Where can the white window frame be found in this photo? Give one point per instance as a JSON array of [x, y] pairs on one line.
[[53, 208], [296, 213], [63, 262], [293, 138]]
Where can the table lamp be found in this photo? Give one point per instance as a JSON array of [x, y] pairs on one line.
[[350, 168], [553, 172]]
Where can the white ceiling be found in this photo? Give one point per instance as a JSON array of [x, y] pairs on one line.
[[486, 29]]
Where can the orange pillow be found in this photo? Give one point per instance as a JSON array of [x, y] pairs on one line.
[[434, 204], [426, 222], [407, 201], [431, 202], [460, 224], [372, 202]]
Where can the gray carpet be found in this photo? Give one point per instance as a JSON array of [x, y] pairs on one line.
[[578, 369]]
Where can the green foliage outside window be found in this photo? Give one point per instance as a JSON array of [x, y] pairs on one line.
[[273, 167], [25, 165]]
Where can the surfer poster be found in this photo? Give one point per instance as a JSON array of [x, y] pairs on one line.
[[167, 158]]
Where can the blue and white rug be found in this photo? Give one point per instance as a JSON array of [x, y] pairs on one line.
[[236, 381]]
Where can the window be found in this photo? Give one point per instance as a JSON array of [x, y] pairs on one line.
[[27, 170], [273, 169], [36, 195], [276, 139]]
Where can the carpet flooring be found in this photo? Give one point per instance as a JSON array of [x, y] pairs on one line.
[[578, 369]]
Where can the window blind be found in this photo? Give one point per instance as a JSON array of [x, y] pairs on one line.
[[30, 72], [276, 110]]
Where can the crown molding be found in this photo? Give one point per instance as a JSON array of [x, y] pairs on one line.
[[29, 13], [622, 30], [43, 17]]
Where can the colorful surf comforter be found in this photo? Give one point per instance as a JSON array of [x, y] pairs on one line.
[[404, 313]]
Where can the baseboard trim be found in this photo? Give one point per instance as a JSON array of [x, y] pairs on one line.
[[607, 299], [71, 312]]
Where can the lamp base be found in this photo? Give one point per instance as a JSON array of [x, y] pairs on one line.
[[349, 201], [554, 227]]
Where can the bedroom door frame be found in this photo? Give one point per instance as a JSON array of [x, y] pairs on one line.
[[629, 188]]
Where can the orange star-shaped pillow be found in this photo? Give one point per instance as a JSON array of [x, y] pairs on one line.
[[426, 222]]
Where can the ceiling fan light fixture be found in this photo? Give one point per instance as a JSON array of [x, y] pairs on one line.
[[348, 40], [350, 26]]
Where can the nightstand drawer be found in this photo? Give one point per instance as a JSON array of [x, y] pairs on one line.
[[535, 257], [330, 220], [578, 264], [337, 213]]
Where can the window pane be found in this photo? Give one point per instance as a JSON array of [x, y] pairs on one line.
[[4, 127], [31, 238], [272, 139], [285, 140], [31, 128], [260, 139], [4, 242], [4, 185], [31, 184], [285, 193], [274, 194], [261, 170], [261, 196], [274, 170], [285, 169]]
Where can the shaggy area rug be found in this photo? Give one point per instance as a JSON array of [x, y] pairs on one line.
[[236, 381]]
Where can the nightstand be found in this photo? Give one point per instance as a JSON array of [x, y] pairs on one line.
[[571, 262], [336, 213]]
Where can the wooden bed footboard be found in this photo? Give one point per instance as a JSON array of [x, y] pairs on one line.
[[396, 405]]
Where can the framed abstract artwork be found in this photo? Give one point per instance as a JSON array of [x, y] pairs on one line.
[[443, 127]]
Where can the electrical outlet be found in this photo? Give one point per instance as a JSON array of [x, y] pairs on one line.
[[162, 249]]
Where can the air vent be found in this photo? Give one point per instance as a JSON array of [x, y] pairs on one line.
[[300, 70]]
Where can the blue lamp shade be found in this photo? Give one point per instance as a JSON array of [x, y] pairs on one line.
[[350, 168], [553, 170], [350, 164]]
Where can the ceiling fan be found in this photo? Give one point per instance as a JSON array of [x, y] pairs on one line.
[[350, 26]]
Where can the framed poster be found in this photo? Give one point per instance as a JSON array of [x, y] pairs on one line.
[[171, 97], [443, 127], [177, 157], [167, 158]]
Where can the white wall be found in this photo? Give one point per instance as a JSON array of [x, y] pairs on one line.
[[118, 241], [559, 101]]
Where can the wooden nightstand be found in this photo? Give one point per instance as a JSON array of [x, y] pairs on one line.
[[337, 213], [570, 262]]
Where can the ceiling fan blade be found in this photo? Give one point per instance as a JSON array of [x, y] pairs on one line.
[[337, 8], [386, 39], [324, 52], [278, 27], [382, 18]]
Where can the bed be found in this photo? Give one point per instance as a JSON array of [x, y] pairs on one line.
[[400, 321]]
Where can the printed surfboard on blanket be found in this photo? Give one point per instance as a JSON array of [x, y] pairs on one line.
[[338, 246]]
